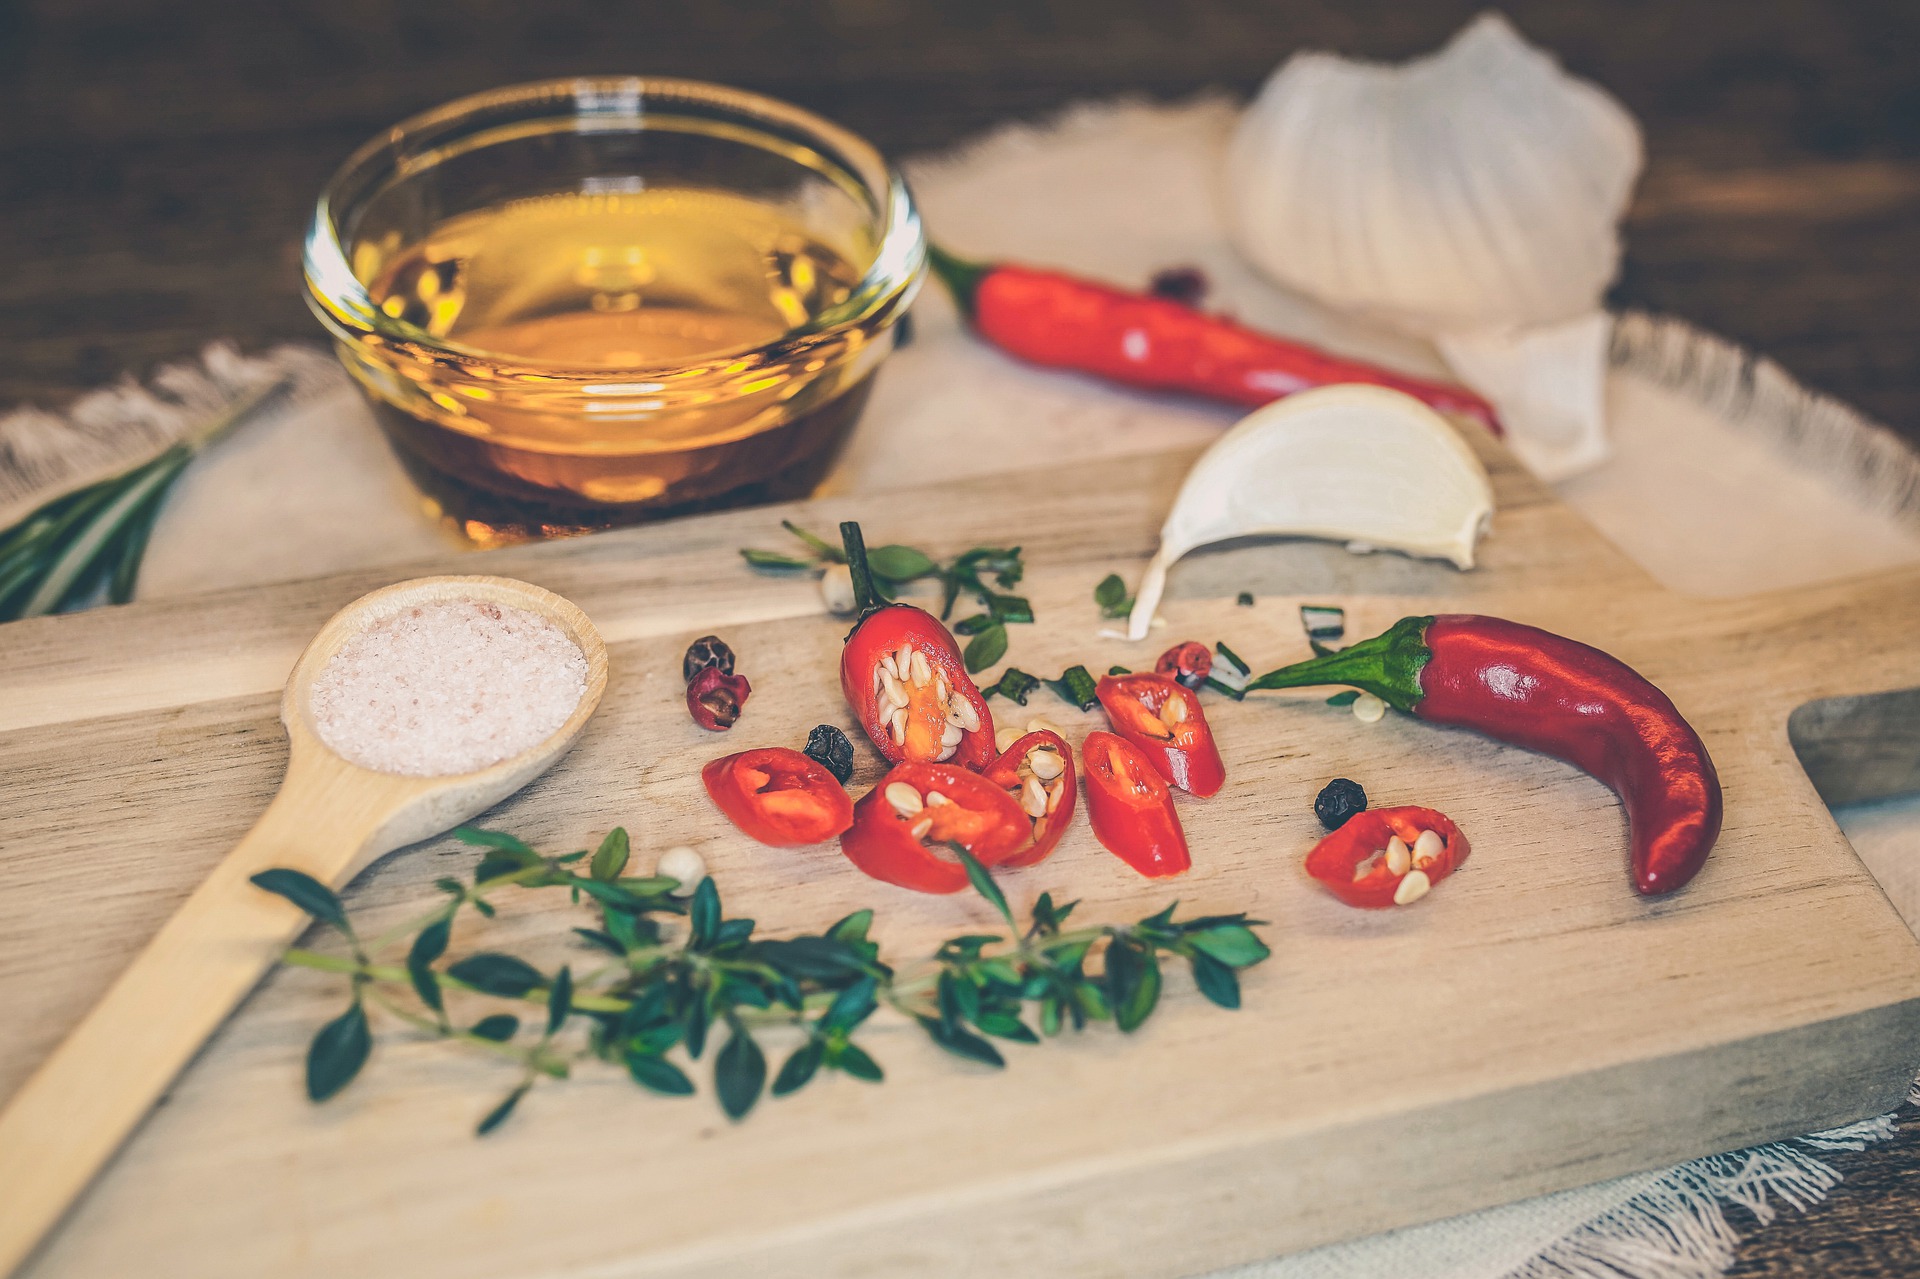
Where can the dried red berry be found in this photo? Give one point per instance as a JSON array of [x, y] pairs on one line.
[[715, 698], [1189, 663]]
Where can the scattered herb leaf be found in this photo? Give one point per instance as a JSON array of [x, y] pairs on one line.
[[1111, 595]]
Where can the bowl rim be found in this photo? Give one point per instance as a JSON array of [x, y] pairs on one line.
[[340, 300]]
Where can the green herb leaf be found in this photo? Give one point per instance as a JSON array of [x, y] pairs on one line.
[[496, 839], [600, 940], [496, 974], [498, 1115], [1006, 1026], [1118, 670], [851, 1006], [499, 1028], [703, 916], [983, 882], [975, 624], [1133, 982], [659, 1075], [986, 648], [1215, 980], [337, 1053], [739, 1073], [799, 1068], [306, 892], [1244, 599], [854, 1061], [427, 947], [1234, 945], [852, 929], [559, 1000], [1347, 698], [773, 561], [611, 857], [1009, 608], [1111, 595], [812, 958], [900, 563], [961, 1043], [820, 546]]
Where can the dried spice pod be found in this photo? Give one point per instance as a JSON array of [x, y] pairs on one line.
[[715, 698], [828, 747], [709, 652]]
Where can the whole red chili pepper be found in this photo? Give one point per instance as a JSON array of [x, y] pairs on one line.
[[1058, 320], [1557, 696], [1164, 722], [904, 677]]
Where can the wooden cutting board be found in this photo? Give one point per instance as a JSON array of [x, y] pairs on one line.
[[1531, 1025]]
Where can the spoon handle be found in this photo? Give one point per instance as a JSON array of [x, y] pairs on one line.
[[74, 1112]]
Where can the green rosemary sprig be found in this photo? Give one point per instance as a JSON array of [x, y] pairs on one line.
[[63, 552], [987, 573], [677, 973]]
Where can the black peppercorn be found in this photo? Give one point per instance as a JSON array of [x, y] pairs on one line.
[[707, 651], [1338, 801], [829, 747]]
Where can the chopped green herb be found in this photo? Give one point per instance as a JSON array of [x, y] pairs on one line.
[[1347, 698], [1118, 670], [1075, 686], [1014, 685], [1244, 599], [1111, 595]]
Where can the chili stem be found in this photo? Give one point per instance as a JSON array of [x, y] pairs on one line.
[[961, 277], [865, 598]]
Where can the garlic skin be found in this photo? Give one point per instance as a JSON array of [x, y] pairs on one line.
[[1472, 197], [1357, 464]]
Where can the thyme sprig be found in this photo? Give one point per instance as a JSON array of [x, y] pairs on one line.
[[676, 972], [986, 573]]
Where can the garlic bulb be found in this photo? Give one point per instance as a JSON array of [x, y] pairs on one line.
[[1472, 197], [1361, 464]]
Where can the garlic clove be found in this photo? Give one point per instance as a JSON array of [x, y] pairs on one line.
[[1352, 463]]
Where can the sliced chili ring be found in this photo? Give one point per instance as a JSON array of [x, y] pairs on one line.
[[1164, 720], [779, 796], [1377, 858], [1131, 808], [902, 826], [1019, 771]]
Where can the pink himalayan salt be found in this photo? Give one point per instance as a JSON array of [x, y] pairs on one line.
[[448, 687]]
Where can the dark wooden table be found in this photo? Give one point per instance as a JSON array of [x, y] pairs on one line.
[[158, 159]]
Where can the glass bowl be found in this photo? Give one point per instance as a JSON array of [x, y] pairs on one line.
[[588, 302]]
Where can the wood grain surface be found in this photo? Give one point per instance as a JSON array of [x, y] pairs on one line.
[[158, 160], [1530, 1026]]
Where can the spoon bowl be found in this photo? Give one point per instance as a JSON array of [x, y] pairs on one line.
[[330, 819]]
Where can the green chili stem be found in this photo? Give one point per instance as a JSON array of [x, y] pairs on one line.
[[866, 598], [961, 277], [1388, 666]]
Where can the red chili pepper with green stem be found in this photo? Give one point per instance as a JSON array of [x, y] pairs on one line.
[[1532, 688], [903, 675], [1156, 344]]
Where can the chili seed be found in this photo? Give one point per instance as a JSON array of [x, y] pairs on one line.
[[836, 590], [1427, 848], [829, 747], [1412, 888], [705, 652], [922, 672], [897, 726], [1338, 801], [1369, 709], [1399, 859], [893, 690], [1041, 724], [1033, 798], [905, 799], [935, 799], [920, 828], [963, 714], [1046, 764], [1055, 793], [951, 734], [1006, 737]]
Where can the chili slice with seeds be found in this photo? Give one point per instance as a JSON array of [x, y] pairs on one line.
[[1164, 721], [1056, 796], [1357, 863], [906, 847]]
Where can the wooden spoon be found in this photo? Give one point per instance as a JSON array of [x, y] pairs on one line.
[[331, 819]]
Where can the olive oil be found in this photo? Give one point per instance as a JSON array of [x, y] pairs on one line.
[[601, 357]]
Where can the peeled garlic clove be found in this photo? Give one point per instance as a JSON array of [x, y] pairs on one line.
[[1351, 463]]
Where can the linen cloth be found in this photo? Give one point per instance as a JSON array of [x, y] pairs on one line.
[[1725, 478]]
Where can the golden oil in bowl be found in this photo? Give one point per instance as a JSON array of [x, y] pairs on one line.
[[589, 303]]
